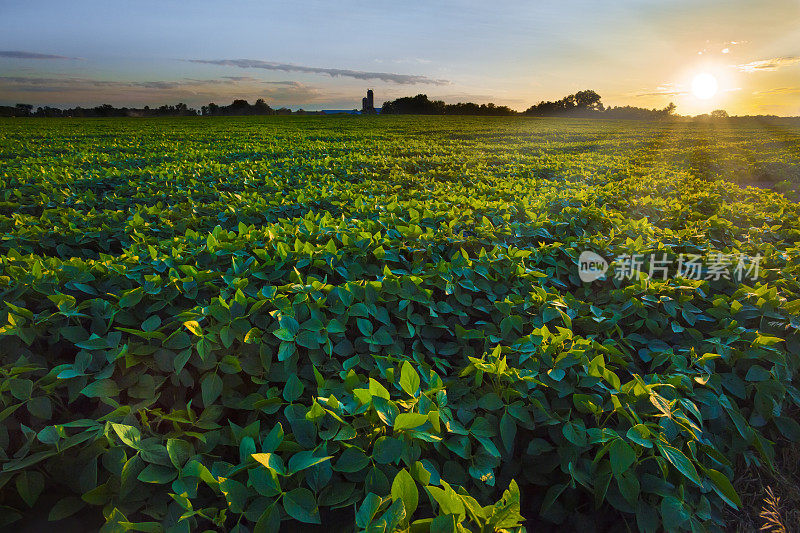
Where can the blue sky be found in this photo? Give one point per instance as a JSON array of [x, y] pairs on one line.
[[318, 55]]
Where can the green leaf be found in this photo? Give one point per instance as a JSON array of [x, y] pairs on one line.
[[131, 297], [41, 407], [97, 496], [404, 488], [301, 505], [284, 334], [409, 382], [286, 350], [448, 500], [788, 427], [508, 432], [351, 460], [647, 518], [673, 512], [490, 402], [273, 438], [681, 462], [387, 410], [506, 513], [129, 435], [368, 510], [364, 326], [376, 389], [764, 340], [236, 494], [271, 461], [757, 373], [293, 389], [145, 527], [629, 486], [309, 339], [409, 421], [574, 433], [194, 327], [21, 388], [269, 521], [179, 451], [621, 455], [387, 450], [8, 515], [157, 474], [305, 459], [151, 324], [102, 388], [724, 488], [640, 435], [29, 486], [65, 507], [552, 494], [211, 388]]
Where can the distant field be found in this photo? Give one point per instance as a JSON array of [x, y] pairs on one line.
[[378, 323]]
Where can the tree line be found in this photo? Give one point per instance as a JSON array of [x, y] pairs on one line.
[[581, 104], [421, 105], [236, 108]]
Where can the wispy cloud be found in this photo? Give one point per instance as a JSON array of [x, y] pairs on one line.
[[56, 83], [402, 79], [667, 89], [723, 47], [240, 78], [19, 54], [80, 90], [406, 61], [778, 90], [767, 65], [36, 83]]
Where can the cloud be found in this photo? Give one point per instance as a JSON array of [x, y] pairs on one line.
[[73, 83], [723, 47], [672, 89], [768, 65], [406, 61], [402, 79], [778, 90], [68, 90], [18, 54], [240, 78], [667, 89], [78, 83]]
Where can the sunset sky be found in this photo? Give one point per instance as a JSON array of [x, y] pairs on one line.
[[324, 55]]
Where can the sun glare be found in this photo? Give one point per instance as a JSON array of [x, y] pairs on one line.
[[704, 86]]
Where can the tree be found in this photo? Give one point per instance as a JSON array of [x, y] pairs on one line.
[[23, 110], [261, 107], [719, 113], [588, 100], [583, 103], [422, 105]]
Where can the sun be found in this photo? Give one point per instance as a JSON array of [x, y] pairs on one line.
[[704, 86]]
